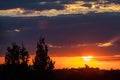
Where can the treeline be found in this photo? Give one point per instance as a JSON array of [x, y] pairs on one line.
[[86, 74], [64, 74]]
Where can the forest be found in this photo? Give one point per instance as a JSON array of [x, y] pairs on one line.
[[16, 67]]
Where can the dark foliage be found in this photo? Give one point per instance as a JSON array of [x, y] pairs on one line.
[[16, 63], [42, 63], [86, 74], [24, 58], [16, 55], [63, 74], [12, 55]]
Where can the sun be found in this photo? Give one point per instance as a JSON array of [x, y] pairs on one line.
[[87, 58]]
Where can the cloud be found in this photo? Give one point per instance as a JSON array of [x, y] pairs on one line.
[[17, 30], [107, 44], [110, 42], [78, 7], [107, 58], [42, 3], [69, 46], [82, 45], [118, 56], [54, 46], [14, 30], [52, 2], [15, 10], [73, 46]]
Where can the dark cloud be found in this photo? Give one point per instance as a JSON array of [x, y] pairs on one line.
[[30, 4], [79, 26], [46, 4]]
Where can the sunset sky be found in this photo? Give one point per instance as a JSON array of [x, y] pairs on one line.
[[71, 28]]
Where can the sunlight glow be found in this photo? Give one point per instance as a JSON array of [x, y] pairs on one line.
[[102, 62], [87, 58]]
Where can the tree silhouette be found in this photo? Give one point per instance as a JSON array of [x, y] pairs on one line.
[[24, 56], [16, 55], [12, 55], [42, 61], [12, 62], [16, 62]]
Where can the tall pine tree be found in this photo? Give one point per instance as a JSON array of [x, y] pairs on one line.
[[42, 61]]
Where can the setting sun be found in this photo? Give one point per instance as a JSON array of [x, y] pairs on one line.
[[87, 58]]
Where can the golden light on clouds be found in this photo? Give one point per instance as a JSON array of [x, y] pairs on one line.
[[15, 10], [78, 7], [110, 42], [17, 30], [105, 44]]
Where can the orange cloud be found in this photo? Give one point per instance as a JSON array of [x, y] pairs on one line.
[[110, 42], [107, 44]]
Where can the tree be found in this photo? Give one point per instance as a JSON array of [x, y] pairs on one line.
[[16, 62], [12, 62], [12, 55], [24, 56], [42, 61], [16, 55]]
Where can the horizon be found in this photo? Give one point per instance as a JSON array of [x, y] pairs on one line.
[[68, 62]]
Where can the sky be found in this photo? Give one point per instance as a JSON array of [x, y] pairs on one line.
[[70, 27]]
